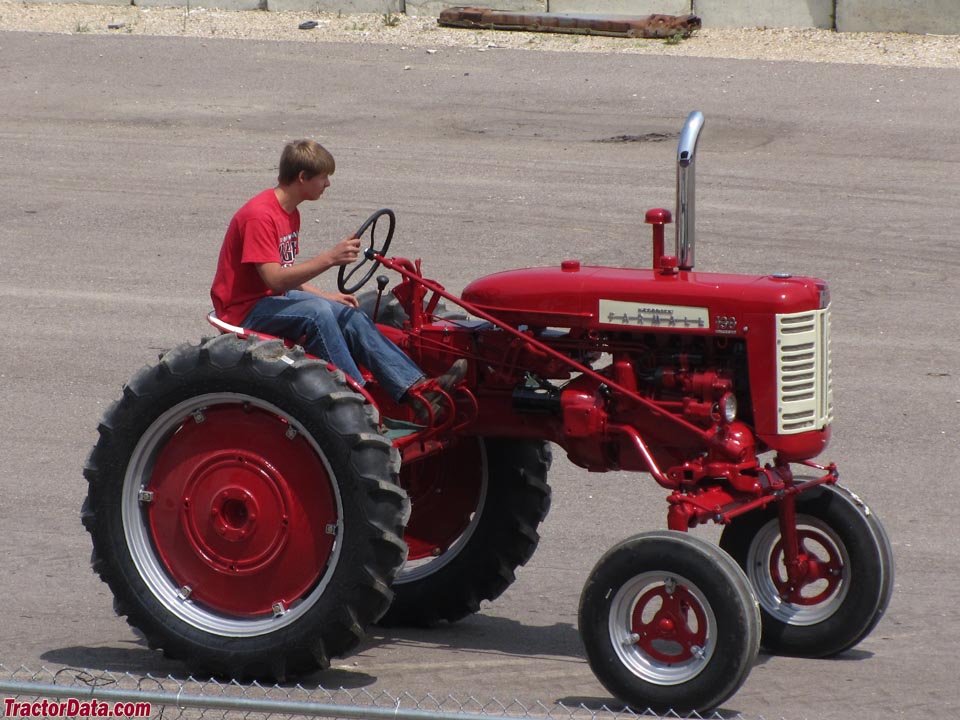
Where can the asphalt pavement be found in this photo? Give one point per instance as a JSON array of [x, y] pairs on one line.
[[123, 158]]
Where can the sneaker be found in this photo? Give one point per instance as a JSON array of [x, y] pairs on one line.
[[453, 376], [436, 400]]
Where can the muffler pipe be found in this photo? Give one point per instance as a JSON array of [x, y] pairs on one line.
[[686, 184]]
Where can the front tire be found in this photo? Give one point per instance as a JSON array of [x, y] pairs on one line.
[[849, 563], [669, 623], [243, 509]]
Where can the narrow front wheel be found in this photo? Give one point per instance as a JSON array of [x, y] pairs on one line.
[[845, 577], [669, 623]]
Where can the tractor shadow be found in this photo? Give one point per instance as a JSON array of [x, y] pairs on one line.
[[609, 704], [131, 656], [481, 634], [485, 634], [137, 660]]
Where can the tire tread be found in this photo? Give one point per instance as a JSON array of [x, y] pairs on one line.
[[224, 362]]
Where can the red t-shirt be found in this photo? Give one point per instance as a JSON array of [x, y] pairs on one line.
[[261, 232]]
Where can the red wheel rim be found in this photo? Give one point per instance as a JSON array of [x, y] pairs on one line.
[[817, 577], [444, 492], [671, 626], [243, 511]]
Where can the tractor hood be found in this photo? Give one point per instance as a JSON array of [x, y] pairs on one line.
[[576, 296]]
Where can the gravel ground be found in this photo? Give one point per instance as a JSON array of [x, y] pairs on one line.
[[758, 43]]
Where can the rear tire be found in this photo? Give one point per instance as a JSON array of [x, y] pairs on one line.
[[476, 509], [669, 623], [243, 509]]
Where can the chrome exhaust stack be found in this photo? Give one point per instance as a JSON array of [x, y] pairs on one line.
[[686, 166]]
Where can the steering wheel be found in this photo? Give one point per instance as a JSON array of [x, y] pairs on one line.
[[343, 277]]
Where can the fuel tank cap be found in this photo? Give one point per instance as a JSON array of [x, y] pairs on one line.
[[570, 266]]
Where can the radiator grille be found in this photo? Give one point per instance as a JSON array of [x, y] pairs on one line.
[[804, 385]]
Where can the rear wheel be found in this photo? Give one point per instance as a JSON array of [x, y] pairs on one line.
[[243, 509], [847, 566], [669, 623], [476, 509]]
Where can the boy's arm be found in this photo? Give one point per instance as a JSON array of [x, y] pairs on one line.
[[280, 279], [336, 297]]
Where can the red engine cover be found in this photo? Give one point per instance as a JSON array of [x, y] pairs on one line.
[[608, 300], [600, 297]]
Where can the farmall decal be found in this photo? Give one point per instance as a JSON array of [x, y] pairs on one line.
[[616, 312]]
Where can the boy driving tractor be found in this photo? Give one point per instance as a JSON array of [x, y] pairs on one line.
[[259, 286]]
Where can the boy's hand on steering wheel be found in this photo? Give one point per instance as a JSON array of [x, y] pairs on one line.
[[346, 251]]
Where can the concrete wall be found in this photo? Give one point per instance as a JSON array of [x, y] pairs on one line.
[[411, 7], [914, 16], [623, 7], [433, 7], [347, 7], [766, 13], [940, 17], [95, 2]]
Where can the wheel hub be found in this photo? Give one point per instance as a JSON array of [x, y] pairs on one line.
[[236, 512], [242, 511], [232, 515], [818, 572], [670, 624]]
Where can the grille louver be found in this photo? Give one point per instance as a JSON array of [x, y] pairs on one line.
[[804, 386]]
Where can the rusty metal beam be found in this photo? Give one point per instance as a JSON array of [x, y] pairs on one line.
[[630, 26]]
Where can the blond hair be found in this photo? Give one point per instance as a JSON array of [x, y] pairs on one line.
[[306, 156]]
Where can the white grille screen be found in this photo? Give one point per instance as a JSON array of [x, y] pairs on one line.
[[804, 386]]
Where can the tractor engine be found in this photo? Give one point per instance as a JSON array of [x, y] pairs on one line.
[[674, 362], [694, 344]]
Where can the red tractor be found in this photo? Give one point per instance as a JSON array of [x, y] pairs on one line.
[[254, 510]]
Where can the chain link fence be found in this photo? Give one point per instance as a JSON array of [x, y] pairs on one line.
[[78, 692]]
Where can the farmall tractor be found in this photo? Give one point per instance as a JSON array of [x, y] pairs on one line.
[[254, 510]]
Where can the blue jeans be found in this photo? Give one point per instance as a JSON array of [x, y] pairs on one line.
[[337, 333]]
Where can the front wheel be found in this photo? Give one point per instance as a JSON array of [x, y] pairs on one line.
[[846, 572], [669, 623], [243, 509]]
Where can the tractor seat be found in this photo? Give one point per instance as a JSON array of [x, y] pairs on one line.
[[394, 429], [226, 328]]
